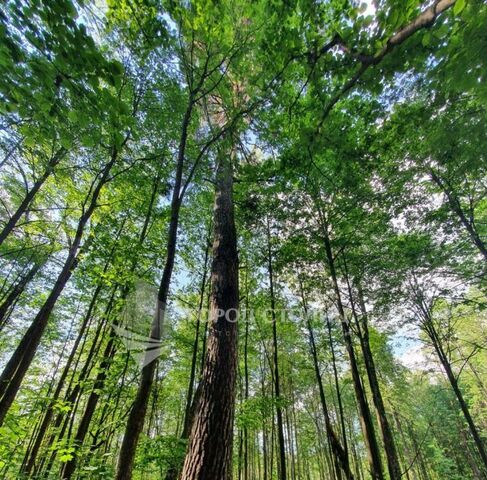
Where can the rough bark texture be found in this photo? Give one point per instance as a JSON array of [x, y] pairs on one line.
[[209, 455]]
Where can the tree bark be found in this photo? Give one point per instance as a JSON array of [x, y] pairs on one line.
[[433, 335], [339, 453], [456, 207], [135, 422], [173, 472], [15, 292], [209, 455], [22, 357], [393, 464], [277, 386], [24, 205], [367, 425]]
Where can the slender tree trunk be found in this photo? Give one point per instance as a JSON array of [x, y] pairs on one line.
[[433, 334], [31, 455], [386, 432], [15, 293], [135, 422], [91, 404], [24, 205], [339, 453], [173, 472], [194, 359], [209, 455], [22, 357], [110, 350], [246, 378], [456, 207], [277, 387], [337, 387], [365, 415]]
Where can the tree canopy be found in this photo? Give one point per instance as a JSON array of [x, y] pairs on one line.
[[243, 240]]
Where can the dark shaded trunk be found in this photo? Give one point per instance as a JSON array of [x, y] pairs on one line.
[[246, 380], [339, 453], [173, 471], [109, 352], [194, 358], [367, 425], [91, 404], [31, 455], [135, 422], [16, 368], [24, 205], [209, 455], [456, 207], [437, 344], [337, 387], [275, 365], [393, 464], [15, 293]]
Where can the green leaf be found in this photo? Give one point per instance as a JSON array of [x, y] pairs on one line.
[[459, 6], [73, 116]]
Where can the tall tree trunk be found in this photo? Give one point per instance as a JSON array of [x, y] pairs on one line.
[[275, 364], [173, 471], [437, 344], [16, 291], [194, 358], [19, 362], [135, 422], [24, 205], [456, 207], [209, 455], [91, 404], [366, 422], [246, 378], [31, 455], [337, 387], [393, 464], [109, 352], [339, 453]]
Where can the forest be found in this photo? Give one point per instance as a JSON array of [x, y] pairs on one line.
[[243, 239]]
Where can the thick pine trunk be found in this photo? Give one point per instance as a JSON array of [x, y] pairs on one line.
[[209, 455]]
